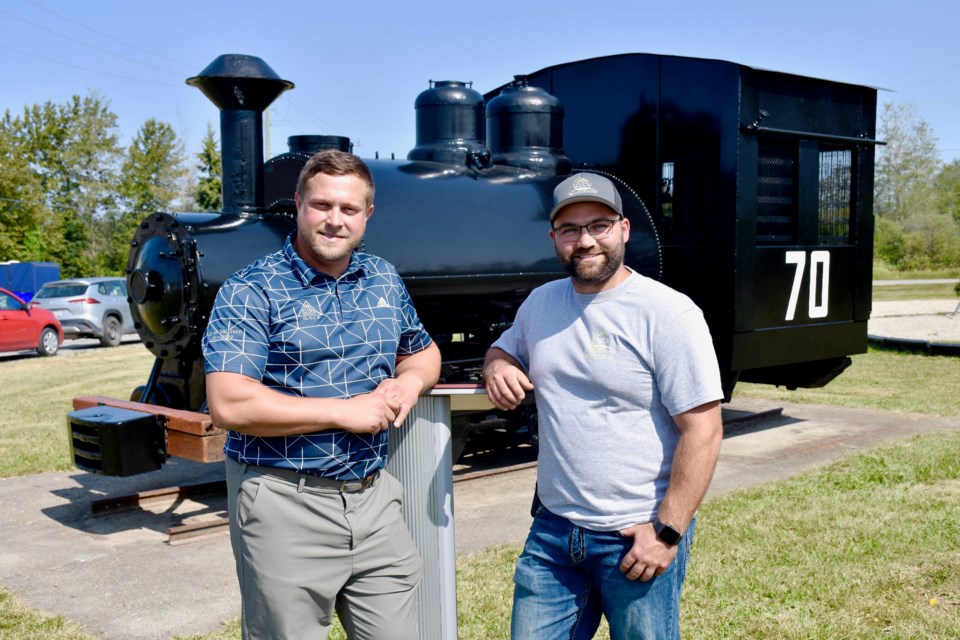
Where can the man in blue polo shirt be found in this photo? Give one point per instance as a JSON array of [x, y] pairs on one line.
[[312, 353]]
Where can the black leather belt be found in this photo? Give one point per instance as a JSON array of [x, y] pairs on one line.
[[307, 480]]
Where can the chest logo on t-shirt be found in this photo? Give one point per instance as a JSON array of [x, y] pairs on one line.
[[309, 312], [382, 302], [600, 347]]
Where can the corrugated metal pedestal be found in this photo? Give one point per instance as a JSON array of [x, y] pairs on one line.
[[419, 456]]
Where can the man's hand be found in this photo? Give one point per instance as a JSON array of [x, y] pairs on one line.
[[649, 556], [504, 380], [414, 374], [369, 412], [401, 393]]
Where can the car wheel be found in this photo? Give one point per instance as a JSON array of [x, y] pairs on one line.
[[111, 332], [49, 342]]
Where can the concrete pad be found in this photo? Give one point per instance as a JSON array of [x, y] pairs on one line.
[[927, 320], [115, 575], [119, 578]]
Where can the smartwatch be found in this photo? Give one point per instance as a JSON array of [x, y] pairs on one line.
[[667, 533]]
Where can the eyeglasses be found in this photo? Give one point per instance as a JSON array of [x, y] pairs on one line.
[[598, 229]]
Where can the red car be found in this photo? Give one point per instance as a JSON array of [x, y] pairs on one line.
[[24, 327]]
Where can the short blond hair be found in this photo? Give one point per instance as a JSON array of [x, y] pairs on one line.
[[333, 162]]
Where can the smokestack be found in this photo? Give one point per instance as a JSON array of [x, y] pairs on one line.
[[242, 87]]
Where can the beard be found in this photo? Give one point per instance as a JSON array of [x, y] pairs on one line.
[[594, 272], [323, 252]]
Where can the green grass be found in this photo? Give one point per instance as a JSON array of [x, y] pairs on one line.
[[868, 547], [881, 379], [865, 548], [37, 393], [19, 622], [793, 560], [884, 272], [893, 292]]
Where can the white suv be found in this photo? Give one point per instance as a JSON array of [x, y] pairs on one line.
[[89, 308]]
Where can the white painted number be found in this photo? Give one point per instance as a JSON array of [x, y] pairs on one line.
[[798, 258], [819, 264], [819, 283]]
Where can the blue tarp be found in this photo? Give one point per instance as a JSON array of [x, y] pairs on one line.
[[26, 278]]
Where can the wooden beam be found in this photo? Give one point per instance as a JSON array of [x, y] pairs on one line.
[[198, 449], [193, 422], [190, 434]]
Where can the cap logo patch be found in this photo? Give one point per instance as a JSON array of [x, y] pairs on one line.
[[582, 185]]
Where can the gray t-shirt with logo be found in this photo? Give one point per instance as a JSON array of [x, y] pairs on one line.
[[609, 371]]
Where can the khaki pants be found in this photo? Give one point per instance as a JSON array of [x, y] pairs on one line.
[[304, 551]]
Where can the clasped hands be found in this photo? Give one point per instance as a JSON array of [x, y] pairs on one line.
[[388, 404]]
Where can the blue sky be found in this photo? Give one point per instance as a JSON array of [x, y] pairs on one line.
[[359, 65]]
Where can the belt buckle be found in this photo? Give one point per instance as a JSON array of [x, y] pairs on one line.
[[356, 486]]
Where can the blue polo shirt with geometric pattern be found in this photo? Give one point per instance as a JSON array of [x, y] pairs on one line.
[[305, 333]]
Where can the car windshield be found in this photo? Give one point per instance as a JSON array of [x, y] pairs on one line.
[[61, 290]]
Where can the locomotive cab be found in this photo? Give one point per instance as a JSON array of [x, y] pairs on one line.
[[760, 185]]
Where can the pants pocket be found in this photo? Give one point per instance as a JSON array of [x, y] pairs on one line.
[[536, 507], [250, 489]]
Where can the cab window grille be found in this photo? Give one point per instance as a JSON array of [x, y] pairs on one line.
[[835, 196], [776, 192]]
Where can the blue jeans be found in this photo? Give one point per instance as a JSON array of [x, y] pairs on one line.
[[567, 576]]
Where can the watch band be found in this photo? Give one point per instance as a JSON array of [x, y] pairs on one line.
[[666, 532]]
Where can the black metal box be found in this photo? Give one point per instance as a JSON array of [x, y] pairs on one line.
[[115, 442]]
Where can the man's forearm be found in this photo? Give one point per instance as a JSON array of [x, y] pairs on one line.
[[243, 404], [422, 367], [701, 432]]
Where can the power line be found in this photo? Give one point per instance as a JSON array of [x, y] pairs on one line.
[[106, 73], [310, 114], [108, 36], [95, 48]]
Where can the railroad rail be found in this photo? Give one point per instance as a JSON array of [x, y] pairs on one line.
[[213, 521]]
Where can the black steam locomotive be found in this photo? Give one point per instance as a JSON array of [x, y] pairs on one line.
[[749, 190]]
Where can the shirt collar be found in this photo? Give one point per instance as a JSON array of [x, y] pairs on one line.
[[307, 274]]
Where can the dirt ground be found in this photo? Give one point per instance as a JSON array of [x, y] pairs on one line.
[[930, 320]]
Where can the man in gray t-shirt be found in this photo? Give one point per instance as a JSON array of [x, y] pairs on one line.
[[627, 392]]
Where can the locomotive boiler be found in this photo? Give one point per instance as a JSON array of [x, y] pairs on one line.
[[748, 190]]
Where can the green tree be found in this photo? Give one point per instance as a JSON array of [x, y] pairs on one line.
[[152, 169], [209, 195], [913, 230], [906, 165], [26, 224], [150, 180], [948, 186], [72, 149], [930, 241]]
